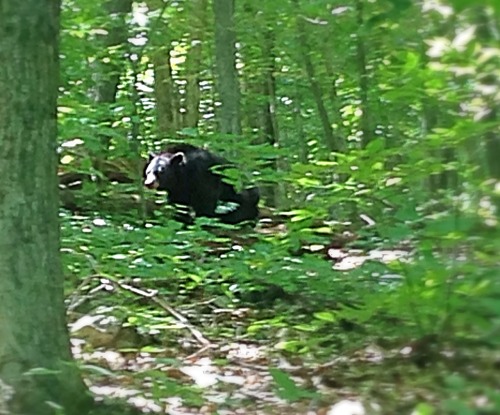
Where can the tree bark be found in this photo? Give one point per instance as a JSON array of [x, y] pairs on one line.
[[33, 330], [227, 75], [165, 93]]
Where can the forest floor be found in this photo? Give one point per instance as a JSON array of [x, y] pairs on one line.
[[188, 352], [189, 374]]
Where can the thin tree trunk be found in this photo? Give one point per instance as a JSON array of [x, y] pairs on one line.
[[335, 103], [299, 125], [193, 63], [492, 137], [107, 74], [269, 120], [108, 71], [366, 128], [227, 75], [489, 32], [166, 102], [252, 80], [269, 110], [33, 331], [431, 118], [333, 142]]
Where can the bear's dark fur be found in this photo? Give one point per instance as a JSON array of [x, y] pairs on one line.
[[185, 173]]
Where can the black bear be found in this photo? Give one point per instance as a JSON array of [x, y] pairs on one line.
[[186, 173]]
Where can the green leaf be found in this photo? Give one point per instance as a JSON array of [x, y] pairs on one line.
[[287, 388], [412, 62], [376, 145], [325, 316], [424, 409]]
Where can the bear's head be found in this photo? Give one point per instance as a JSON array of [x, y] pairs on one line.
[[162, 170]]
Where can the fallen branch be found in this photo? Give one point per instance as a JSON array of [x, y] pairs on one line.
[[153, 295]]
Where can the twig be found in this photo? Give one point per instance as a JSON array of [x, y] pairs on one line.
[[153, 294]]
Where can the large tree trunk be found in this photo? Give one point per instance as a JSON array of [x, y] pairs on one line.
[[227, 75], [33, 331]]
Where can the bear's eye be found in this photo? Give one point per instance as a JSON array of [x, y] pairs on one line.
[[160, 169]]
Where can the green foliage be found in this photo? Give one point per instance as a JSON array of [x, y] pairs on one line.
[[287, 388], [422, 190]]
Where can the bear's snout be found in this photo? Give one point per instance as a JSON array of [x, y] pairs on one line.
[[150, 181]]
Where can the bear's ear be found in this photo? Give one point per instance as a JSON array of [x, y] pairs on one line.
[[151, 156], [178, 159]]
